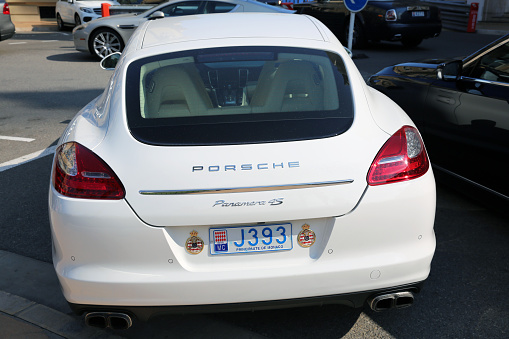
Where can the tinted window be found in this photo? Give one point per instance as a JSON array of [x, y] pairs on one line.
[[182, 8], [494, 65], [219, 7], [238, 95]]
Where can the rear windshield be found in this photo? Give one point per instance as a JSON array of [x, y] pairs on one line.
[[238, 95]]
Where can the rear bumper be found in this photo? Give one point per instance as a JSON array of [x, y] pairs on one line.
[[105, 257], [144, 313], [7, 31]]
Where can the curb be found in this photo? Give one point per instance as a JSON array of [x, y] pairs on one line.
[[47, 318]]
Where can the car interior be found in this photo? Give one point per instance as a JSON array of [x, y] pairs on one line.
[[185, 87]]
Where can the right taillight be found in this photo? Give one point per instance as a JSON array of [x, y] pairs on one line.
[[6, 9], [79, 173], [391, 15], [403, 157]]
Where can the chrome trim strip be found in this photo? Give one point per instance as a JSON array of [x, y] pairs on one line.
[[483, 81], [500, 195], [247, 189]]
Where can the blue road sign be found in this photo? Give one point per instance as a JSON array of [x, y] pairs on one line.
[[355, 5]]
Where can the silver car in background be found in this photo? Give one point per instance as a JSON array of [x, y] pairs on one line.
[[108, 35], [7, 29]]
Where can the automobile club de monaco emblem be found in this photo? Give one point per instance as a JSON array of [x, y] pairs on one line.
[[306, 237], [194, 244]]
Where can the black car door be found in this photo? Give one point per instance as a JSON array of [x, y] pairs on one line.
[[469, 120]]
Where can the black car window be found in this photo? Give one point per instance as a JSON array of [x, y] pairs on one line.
[[494, 65], [218, 7], [182, 8]]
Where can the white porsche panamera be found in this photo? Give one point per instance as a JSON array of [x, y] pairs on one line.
[[238, 161]]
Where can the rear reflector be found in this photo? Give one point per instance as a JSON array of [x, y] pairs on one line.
[[79, 173], [403, 157]]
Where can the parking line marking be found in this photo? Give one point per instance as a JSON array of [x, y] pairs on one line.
[[17, 43], [4, 137], [27, 158]]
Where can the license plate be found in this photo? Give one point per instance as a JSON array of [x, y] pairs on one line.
[[418, 14], [246, 239]]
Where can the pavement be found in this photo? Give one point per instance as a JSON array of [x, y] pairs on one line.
[[31, 303]]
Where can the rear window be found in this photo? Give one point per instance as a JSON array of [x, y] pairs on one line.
[[238, 95]]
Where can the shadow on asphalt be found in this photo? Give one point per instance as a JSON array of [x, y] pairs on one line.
[[73, 57]]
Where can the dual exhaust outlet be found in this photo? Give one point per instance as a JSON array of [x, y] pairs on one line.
[[115, 321], [391, 300], [122, 321]]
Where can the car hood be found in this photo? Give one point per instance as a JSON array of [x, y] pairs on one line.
[[423, 69], [113, 20]]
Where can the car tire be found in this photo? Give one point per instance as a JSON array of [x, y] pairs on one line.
[[77, 20], [359, 39], [411, 42], [60, 23], [104, 42]]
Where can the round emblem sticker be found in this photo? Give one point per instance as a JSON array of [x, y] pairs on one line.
[[194, 244], [306, 237]]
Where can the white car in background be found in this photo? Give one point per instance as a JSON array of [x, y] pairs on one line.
[[108, 35], [76, 12], [237, 161], [7, 28]]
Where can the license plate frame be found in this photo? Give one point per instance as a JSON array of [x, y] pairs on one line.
[[418, 14], [249, 239]]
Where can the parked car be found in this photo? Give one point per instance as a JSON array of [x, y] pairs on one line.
[[76, 12], [230, 165], [108, 35], [461, 107], [7, 28], [408, 21]]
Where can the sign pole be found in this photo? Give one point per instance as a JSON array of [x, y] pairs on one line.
[[350, 34], [353, 6]]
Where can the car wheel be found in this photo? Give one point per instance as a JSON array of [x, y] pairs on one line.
[[77, 20], [359, 36], [411, 42], [60, 23], [103, 42]]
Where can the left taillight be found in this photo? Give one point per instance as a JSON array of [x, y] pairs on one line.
[[6, 9], [79, 173], [402, 157]]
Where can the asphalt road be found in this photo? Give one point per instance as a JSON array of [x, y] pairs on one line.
[[44, 82]]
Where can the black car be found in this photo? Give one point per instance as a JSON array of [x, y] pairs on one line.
[[461, 107], [407, 21]]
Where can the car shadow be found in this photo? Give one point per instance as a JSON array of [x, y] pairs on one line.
[[73, 57]]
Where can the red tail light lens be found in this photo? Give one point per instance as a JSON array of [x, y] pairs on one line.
[[390, 15], [6, 9], [403, 157], [79, 173]]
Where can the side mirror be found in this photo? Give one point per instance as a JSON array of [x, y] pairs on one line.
[[156, 15], [110, 62], [450, 71], [349, 52]]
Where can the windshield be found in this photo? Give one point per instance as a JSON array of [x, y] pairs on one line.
[[238, 95]]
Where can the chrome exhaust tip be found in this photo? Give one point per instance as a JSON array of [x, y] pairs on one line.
[[392, 300], [115, 321]]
